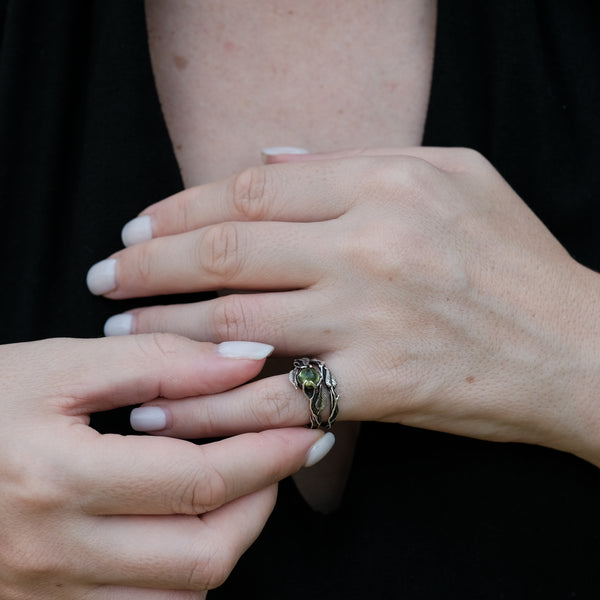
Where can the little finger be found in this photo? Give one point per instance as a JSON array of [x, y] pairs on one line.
[[297, 193], [194, 553]]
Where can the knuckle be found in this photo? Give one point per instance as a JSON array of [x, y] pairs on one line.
[[165, 345], [203, 491], [272, 410], [211, 568], [249, 194], [219, 251], [33, 501], [230, 318], [184, 211], [375, 249], [471, 160], [34, 484], [141, 268], [220, 563], [389, 180]]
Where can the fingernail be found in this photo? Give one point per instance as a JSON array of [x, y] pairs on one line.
[[320, 449], [102, 277], [251, 350], [275, 150], [148, 418], [137, 230], [118, 325]]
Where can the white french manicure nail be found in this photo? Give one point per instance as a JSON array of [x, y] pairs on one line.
[[148, 418], [137, 230], [102, 277], [251, 350], [118, 325], [320, 449]]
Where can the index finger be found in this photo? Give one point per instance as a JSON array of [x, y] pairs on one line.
[[291, 193], [292, 188]]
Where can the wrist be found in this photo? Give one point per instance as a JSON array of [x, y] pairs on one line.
[[575, 403]]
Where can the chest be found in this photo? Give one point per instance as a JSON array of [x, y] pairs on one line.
[[235, 76]]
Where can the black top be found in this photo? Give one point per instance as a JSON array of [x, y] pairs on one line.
[[84, 148]]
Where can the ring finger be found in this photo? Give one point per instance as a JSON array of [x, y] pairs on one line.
[[290, 321], [257, 406]]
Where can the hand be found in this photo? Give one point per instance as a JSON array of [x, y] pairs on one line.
[[99, 517], [433, 293]]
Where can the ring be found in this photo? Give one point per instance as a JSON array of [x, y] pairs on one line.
[[318, 384]]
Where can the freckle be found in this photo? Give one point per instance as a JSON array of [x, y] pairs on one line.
[[290, 12], [470, 379], [178, 146], [327, 332], [180, 62], [340, 111]]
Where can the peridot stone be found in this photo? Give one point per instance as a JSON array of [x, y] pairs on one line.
[[309, 377]]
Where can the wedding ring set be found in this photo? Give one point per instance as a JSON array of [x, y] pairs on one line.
[[315, 380]]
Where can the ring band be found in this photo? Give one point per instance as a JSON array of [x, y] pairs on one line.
[[318, 384]]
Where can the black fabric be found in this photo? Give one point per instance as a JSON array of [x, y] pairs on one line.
[[84, 148]]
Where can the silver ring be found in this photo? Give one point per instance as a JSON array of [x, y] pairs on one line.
[[318, 384]]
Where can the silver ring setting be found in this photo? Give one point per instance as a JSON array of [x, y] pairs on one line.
[[318, 384]]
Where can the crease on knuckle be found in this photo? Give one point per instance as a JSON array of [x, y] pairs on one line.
[[212, 568], [230, 318], [249, 194], [271, 409], [163, 344], [205, 490], [185, 213], [143, 272], [219, 251]]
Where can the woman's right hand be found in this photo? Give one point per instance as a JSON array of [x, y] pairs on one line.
[[91, 516]]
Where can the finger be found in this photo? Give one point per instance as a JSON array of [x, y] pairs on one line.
[[296, 194], [260, 405], [103, 374], [269, 256], [159, 475], [193, 553], [113, 592], [447, 159], [289, 321], [299, 192]]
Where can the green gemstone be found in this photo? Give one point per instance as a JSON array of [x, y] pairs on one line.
[[309, 376]]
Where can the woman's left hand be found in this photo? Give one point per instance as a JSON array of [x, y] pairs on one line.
[[431, 291]]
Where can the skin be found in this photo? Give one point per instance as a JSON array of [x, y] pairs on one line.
[[90, 516], [433, 293], [236, 76]]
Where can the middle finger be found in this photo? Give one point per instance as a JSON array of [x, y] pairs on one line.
[[228, 255]]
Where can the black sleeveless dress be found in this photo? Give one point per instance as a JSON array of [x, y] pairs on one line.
[[83, 148]]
